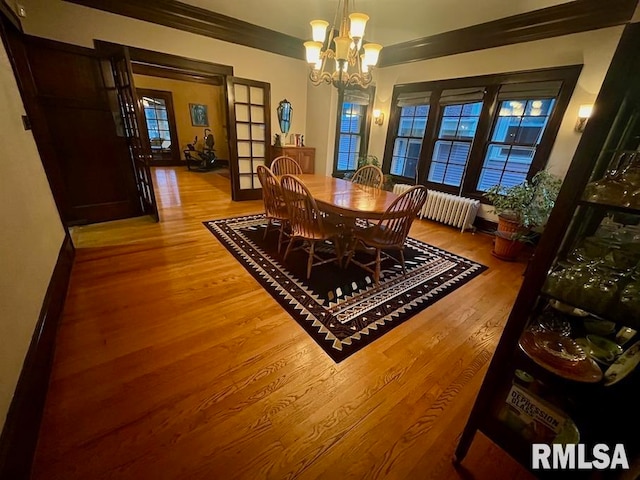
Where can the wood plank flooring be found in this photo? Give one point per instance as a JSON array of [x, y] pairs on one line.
[[173, 363]]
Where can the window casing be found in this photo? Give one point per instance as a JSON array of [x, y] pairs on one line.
[[479, 131]]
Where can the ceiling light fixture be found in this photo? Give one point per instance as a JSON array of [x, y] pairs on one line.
[[352, 59]]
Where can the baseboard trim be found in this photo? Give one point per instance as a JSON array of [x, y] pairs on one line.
[[20, 433], [484, 225]]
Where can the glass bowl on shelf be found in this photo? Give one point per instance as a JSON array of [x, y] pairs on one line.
[[560, 355], [619, 183]]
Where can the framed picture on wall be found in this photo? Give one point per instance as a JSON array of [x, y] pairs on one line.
[[199, 116]]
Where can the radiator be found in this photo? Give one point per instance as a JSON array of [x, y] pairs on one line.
[[449, 209]]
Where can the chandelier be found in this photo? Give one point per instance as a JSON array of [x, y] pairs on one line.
[[343, 60]]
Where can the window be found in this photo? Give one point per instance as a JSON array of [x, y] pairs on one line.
[[155, 112], [464, 135], [352, 125], [351, 122], [458, 124], [414, 112], [160, 126], [521, 120]]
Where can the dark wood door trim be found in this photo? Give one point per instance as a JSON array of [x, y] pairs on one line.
[[172, 73], [16, 51], [39, 105], [564, 19], [8, 13], [167, 96], [184, 64], [254, 193], [204, 22], [20, 432]]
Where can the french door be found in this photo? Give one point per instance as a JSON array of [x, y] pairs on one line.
[[120, 84], [249, 134]]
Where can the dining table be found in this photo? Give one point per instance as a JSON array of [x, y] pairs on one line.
[[351, 200]]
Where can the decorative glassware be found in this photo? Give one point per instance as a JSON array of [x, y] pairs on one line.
[[629, 305], [598, 295], [618, 184], [631, 171], [285, 112]]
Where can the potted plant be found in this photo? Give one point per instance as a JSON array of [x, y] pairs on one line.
[[521, 209]]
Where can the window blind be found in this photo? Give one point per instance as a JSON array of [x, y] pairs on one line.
[[529, 90], [414, 98], [462, 95], [356, 97]]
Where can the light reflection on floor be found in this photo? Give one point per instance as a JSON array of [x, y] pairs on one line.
[[166, 186]]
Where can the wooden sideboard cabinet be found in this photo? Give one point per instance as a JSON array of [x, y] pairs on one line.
[[305, 156]]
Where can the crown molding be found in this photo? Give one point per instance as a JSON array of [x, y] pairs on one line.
[[204, 22], [573, 17]]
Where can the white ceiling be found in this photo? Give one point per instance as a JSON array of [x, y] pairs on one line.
[[392, 21]]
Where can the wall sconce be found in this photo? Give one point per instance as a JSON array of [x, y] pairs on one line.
[[584, 112], [378, 117]]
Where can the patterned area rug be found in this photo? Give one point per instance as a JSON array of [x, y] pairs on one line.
[[341, 308]]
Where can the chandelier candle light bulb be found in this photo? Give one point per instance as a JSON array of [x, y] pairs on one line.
[[353, 59]]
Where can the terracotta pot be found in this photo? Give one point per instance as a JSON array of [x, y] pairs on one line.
[[508, 226], [505, 247]]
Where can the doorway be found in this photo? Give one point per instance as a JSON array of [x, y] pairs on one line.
[[191, 112], [247, 112]]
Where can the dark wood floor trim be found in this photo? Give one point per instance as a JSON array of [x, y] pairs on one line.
[[203, 22], [564, 19], [484, 225], [20, 433]]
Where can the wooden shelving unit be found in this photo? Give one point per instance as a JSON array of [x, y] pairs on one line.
[[601, 413]]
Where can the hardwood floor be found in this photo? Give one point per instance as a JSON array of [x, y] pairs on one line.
[[173, 363]]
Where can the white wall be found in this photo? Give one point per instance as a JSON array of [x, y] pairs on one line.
[[322, 106], [592, 49], [31, 235], [80, 25]]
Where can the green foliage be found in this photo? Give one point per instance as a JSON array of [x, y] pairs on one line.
[[528, 203], [372, 160], [368, 160]]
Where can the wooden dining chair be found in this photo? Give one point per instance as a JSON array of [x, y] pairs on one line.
[[308, 224], [369, 175], [390, 232], [285, 166], [275, 208]]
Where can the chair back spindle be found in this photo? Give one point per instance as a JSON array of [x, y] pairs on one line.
[[393, 227], [285, 166], [304, 215], [369, 175], [271, 193]]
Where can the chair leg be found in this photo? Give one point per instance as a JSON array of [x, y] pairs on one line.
[[288, 248], [282, 223], [351, 249], [310, 261], [266, 229], [376, 275], [404, 269], [337, 245]]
